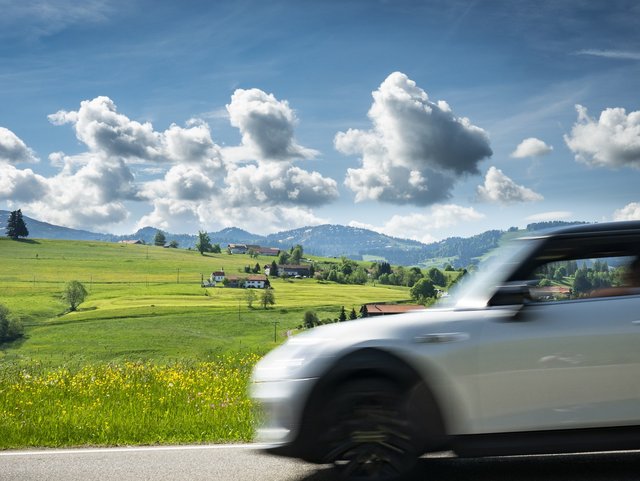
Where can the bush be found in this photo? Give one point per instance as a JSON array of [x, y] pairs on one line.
[[310, 319], [10, 328], [74, 294]]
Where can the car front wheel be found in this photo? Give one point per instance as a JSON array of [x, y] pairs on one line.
[[369, 434]]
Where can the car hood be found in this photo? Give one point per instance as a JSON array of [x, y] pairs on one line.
[[305, 354]]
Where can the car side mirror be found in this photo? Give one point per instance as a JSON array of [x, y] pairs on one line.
[[512, 294]]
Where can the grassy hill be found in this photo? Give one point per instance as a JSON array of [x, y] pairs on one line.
[[147, 303]]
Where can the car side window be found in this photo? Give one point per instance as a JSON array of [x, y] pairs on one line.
[[586, 278]]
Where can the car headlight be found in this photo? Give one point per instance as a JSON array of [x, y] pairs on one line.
[[285, 361]]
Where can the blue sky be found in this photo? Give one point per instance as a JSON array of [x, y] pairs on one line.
[[420, 119]]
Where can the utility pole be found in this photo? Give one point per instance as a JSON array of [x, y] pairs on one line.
[[275, 324]]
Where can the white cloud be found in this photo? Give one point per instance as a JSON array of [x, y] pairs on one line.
[[266, 125], [549, 216], [13, 149], [98, 125], [501, 189], [176, 216], [198, 174], [21, 185], [630, 211], [416, 149], [613, 140], [421, 226], [615, 54], [531, 147], [271, 183]]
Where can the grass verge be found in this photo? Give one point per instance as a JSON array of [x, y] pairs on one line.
[[128, 403]]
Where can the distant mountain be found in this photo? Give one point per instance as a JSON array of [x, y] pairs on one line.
[[336, 240], [323, 240], [44, 230]]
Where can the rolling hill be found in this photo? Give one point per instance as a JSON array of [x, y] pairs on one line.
[[323, 240]]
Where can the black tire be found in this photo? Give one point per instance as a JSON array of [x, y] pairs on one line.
[[369, 432]]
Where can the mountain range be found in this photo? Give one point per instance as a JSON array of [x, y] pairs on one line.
[[323, 240]]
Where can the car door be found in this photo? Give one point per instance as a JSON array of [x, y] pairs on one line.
[[559, 365]]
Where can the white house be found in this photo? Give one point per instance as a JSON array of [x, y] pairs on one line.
[[217, 276], [257, 281]]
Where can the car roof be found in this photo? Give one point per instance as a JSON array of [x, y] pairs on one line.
[[601, 228]]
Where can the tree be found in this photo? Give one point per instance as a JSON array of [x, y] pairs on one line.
[[250, 296], [160, 239], [310, 319], [74, 294], [267, 298], [173, 244], [437, 277], [16, 226], [581, 282], [296, 254], [283, 258], [10, 328], [353, 315], [273, 270], [203, 244], [343, 315], [216, 249], [256, 268], [423, 289]]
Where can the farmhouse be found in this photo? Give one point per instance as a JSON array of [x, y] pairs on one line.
[[268, 251], [238, 248], [369, 310], [130, 241], [217, 276], [294, 270], [257, 281], [246, 248]]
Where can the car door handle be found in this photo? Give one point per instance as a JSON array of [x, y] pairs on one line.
[[442, 337]]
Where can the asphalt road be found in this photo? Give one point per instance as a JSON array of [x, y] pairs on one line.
[[245, 463]]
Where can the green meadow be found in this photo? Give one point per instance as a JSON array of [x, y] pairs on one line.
[[146, 303], [150, 357]]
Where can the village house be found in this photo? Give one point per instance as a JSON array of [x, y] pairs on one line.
[[370, 310], [246, 248], [293, 270], [257, 281], [217, 276], [238, 248], [268, 251]]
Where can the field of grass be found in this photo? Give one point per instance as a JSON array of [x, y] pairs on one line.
[[146, 303], [150, 356], [127, 403]]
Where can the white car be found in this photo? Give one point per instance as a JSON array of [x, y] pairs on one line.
[[527, 357]]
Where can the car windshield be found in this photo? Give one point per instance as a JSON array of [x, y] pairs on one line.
[[477, 288]]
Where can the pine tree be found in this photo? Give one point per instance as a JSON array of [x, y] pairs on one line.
[[16, 226], [159, 239], [343, 315], [353, 315]]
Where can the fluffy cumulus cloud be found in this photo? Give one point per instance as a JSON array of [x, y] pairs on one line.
[[498, 188], [423, 227], [270, 183], [612, 140], [416, 149], [630, 211], [195, 186], [13, 149], [98, 125], [267, 126], [21, 185], [531, 147]]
